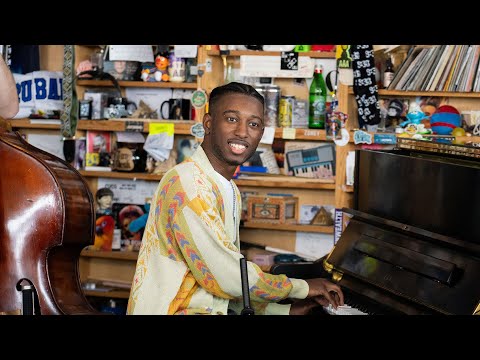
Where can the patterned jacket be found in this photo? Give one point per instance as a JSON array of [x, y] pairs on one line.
[[189, 257]]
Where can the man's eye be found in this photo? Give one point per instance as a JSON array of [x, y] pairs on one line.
[[231, 119], [254, 124]]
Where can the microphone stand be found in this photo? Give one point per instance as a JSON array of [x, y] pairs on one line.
[[247, 309]]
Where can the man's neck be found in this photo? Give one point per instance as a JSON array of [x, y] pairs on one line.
[[219, 166]]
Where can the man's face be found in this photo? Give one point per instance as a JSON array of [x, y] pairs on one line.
[[236, 127]]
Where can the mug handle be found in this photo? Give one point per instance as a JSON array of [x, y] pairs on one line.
[[161, 110]]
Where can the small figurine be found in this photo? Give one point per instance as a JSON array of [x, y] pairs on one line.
[[104, 198], [161, 63], [413, 117]]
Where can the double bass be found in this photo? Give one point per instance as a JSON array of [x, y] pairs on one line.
[[46, 219]]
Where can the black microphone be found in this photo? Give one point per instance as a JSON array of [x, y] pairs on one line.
[[247, 310]]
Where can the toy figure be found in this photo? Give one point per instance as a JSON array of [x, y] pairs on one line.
[[104, 197], [161, 63], [414, 117], [155, 72]]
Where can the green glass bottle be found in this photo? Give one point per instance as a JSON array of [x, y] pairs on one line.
[[318, 99]]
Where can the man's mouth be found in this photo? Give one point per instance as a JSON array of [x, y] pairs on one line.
[[238, 147]]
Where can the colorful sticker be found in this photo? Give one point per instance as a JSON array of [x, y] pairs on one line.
[[362, 137], [197, 130], [199, 99]]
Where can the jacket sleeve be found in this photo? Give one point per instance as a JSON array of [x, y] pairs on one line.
[[214, 260]]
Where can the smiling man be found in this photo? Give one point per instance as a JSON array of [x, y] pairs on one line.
[[189, 260]]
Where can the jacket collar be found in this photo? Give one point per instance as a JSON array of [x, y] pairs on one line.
[[201, 159]]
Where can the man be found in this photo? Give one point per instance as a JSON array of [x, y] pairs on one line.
[[189, 261]]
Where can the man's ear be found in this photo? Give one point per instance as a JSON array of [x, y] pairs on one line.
[[207, 123]]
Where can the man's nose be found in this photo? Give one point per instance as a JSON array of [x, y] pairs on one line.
[[241, 129]]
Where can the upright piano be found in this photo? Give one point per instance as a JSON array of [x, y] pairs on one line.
[[412, 243]]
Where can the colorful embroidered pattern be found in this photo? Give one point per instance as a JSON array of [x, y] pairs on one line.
[[187, 239]]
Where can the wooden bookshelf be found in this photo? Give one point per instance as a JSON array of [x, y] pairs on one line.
[[121, 175], [257, 181], [290, 227], [120, 255], [182, 127], [26, 124], [143, 84], [280, 181], [312, 54], [114, 293], [300, 134]]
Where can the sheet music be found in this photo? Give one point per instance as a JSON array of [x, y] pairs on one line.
[[142, 53], [313, 245]]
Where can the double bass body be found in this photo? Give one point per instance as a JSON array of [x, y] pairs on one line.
[[46, 219]]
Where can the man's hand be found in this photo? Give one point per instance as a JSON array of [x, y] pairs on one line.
[[303, 306], [325, 292]]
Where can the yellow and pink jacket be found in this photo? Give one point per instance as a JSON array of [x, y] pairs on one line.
[[189, 258]]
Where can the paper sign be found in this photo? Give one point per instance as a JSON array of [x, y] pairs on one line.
[[268, 135], [289, 133], [157, 128], [185, 51], [142, 53], [313, 245], [130, 137], [129, 191]]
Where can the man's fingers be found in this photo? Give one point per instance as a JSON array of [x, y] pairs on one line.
[[337, 291], [331, 299], [338, 297]]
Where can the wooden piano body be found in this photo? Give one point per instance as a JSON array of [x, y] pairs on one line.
[[412, 245]]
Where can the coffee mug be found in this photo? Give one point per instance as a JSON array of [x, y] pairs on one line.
[[178, 109]]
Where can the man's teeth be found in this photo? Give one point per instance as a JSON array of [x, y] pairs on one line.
[[238, 146]]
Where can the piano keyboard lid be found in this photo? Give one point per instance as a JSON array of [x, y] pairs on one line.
[[417, 265]]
